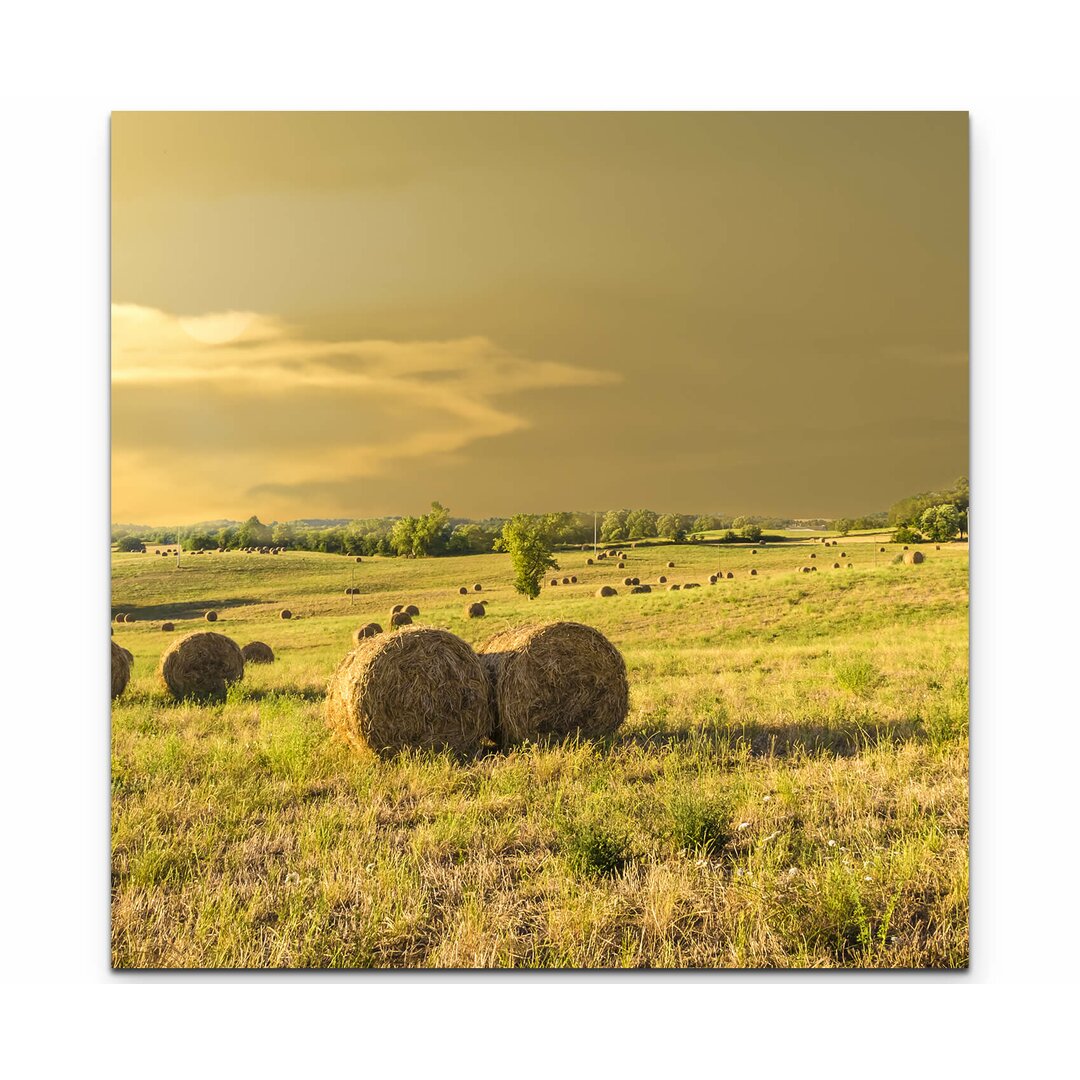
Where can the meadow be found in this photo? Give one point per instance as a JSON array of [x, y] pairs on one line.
[[790, 788]]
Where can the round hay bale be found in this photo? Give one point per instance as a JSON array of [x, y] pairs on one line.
[[554, 581], [804, 569], [834, 543], [753, 571], [692, 585], [813, 554], [635, 581], [628, 581], [813, 569], [566, 581], [400, 618], [730, 574], [673, 588], [555, 679], [573, 580], [478, 587], [285, 613], [671, 566], [905, 547], [412, 611], [641, 589], [396, 608], [201, 665], [348, 591], [602, 555], [359, 559], [712, 579], [662, 579], [121, 617], [753, 551], [836, 566], [121, 669], [257, 652], [588, 562], [913, 558], [367, 630], [475, 611], [937, 547], [849, 565], [607, 590], [843, 554], [622, 566], [463, 591], [421, 689], [881, 549], [211, 616], [168, 627]]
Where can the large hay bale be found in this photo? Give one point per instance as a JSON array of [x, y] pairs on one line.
[[476, 611], [285, 613], [843, 554], [412, 611], [257, 652], [167, 627], [813, 569], [121, 669], [463, 591], [753, 551], [905, 547], [420, 689], [849, 565], [671, 566], [367, 630], [400, 618], [662, 579], [121, 617], [201, 665], [607, 590], [913, 558], [556, 679]]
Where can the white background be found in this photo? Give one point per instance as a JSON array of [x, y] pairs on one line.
[[63, 69]]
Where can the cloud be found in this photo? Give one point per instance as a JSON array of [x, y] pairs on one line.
[[210, 409]]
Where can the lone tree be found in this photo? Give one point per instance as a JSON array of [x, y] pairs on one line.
[[528, 540], [941, 523]]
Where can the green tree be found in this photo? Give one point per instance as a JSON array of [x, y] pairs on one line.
[[613, 527], [705, 523], [431, 531], [843, 526], [670, 526], [941, 523], [528, 540], [750, 531], [905, 534], [130, 543], [253, 533], [641, 524], [403, 535]]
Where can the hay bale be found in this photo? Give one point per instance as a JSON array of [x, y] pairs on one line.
[[421, 689], [804, 569], [367, 630], [849, 565], [730, 573], [937, 547], [835, 542], [602, 555], [400, 618], [359, 559], [671, 566], [475, 611], [622, 566], [588, 562], [843, 554], [121, 669], [285, 613], [641, 589], [478, 587], [348, 591], [913, 558], [813, 554], [555, 679], [412, 611], [753, 571], [712, 579], [692, 585], [554, 581], [573, 580], [257, 652], [396, 608], [566, 581], [628, 581], [201, 665], [168, 627], [753, 551], [121, 617], [607, 590], [881, 549], [673, 588], [813, 569], [635, 581], [836, 566], [905, 547], [662, 579], [211, 616], [463, 591]]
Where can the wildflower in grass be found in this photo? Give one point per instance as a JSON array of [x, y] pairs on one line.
[[832, 843], [868, 878], [744, 825], [767, 798]]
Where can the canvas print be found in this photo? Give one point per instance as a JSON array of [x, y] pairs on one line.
[[540, 540]]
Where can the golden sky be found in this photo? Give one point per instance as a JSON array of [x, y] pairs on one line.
[[353, 314]]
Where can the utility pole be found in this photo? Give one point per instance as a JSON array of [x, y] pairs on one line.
[[594, 534]]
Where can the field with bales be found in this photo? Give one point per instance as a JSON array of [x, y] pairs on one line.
[[790, 787]]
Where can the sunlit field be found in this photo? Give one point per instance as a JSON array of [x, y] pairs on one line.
[[789, 790]]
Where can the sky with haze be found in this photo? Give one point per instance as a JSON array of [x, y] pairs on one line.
[[353, 314]]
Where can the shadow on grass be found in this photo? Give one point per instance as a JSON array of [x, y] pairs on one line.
[[193, 609]]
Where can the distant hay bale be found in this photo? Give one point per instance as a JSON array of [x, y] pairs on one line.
[[635, 581], [257, 652], [555, 679], [836, 566], [121, 617], [849, 565], [348, 591], [463, 591], [396, 608], [834, 543], [421, 689], [573, 580], [201, 665], [662, 579], [692, 585], [804, 569], [554, 581], [412, 611], [641, 589], [712, 579], [367, 630], [478, 587], [843, 554], [937, 547], [211, 616], [881, 549], [566, 580], [121, 670], [628, 581], [753, 571], [622, 566], [607, 590], [753, 551], [475, 611], [905, 547], [285, 613], [913, 558], [813, 554], [484, 602], [813, 569], [359, 559], [730, 574], [673, 588], [588, 562], [400, 618], [671, 566]]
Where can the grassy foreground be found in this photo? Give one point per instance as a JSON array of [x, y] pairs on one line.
[[790, 789]]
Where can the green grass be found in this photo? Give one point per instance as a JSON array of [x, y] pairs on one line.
[[790, 788]]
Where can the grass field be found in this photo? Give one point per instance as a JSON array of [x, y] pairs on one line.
[[790, 789]]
